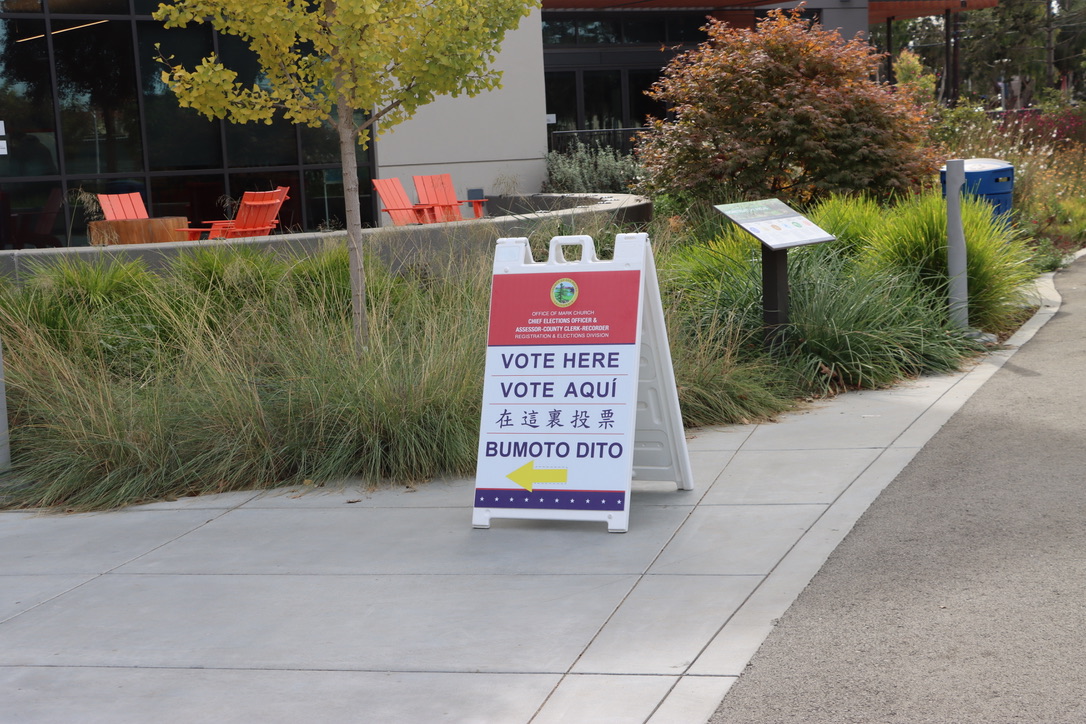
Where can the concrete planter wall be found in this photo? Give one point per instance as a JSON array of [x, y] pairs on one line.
[[510, 216]]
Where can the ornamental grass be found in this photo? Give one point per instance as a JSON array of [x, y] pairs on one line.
[[235, 369]]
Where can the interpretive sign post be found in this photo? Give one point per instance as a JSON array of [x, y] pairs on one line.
[[579, 392], [779, 228]]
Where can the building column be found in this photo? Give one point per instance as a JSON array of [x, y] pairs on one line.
[[848, 17]]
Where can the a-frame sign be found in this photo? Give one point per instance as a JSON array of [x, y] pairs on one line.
[[579, 396]]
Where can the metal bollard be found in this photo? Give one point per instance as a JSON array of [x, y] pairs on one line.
[[955, 242]]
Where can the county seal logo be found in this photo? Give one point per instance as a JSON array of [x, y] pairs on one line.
[[564, 292]]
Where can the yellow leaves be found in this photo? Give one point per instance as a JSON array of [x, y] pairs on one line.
[[212, 90], [384, 56]]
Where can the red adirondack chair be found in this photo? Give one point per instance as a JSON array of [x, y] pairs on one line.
[[395, 202], [122, 206], [438, 190], [256, 216]]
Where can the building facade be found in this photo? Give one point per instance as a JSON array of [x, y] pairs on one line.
[[83, 111], [493, 143], [601, 55]]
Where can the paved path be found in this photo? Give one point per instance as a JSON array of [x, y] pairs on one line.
[[387, 606], [961, 594]]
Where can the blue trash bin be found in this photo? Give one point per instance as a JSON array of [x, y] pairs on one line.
[[988, 178]]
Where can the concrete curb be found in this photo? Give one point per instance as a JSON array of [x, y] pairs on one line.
[[398, 245]]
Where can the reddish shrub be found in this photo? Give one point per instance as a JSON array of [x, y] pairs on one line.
[[786, 110]]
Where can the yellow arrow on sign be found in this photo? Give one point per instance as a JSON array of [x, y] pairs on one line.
[[526, 475]]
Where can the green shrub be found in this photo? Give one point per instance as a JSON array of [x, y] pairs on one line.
[[912, 241], [590, 169], [785, 110], [324, 279], [228, 276], [1046, 257], [722, 378], [848, 326], [965, 130], [257, 392], [909, 71], [680, 221], [864, 329], [93, 309], [849, 218], [713, 297], [717, 280], [236, 370]]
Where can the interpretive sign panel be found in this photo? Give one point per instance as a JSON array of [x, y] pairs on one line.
[[774, 223], [560, 395]]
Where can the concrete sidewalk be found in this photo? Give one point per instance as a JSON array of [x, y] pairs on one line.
[[961, 594], [354, 606]]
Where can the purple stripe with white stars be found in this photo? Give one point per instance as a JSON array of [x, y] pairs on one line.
[[550, 499]]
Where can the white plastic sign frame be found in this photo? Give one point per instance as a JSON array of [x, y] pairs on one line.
[[579, 393]]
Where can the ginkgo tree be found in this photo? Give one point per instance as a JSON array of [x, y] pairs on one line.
[[358, 65]]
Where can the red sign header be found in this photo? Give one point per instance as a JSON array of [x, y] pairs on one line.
[[598, 307]]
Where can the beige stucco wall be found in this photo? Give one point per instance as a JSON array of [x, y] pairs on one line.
[[496, 141]]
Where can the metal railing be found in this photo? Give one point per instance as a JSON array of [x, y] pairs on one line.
[[620, 139]]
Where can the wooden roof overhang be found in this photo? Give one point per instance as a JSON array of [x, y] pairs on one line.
[[878, 11]]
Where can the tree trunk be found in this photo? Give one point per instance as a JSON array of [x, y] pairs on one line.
[[348, 142]]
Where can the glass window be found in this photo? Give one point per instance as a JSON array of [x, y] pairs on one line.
[[602, 99], [640, 104], [26, 101], [559, 32], [686, 29], [324, 199], [597, 32], [20, 6], [325, 205], [97, 88], [644, 29], [321, 145], [561, 96], [31, 215], [177, 138], [89, 7], [255, 144], [197, 198], [258, 144], [79, 187]]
